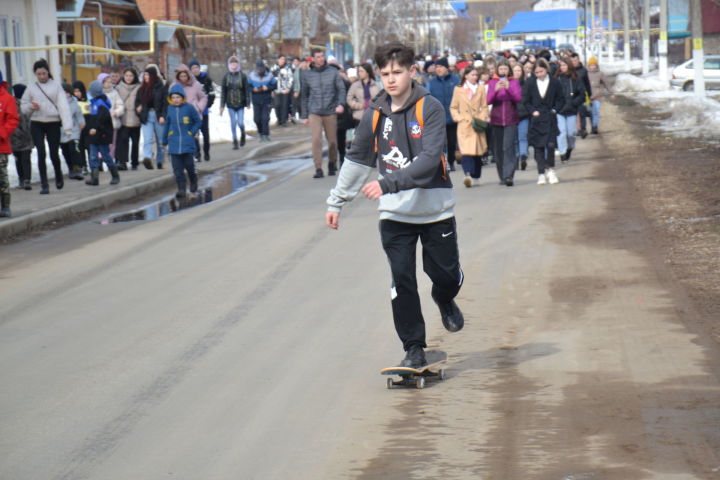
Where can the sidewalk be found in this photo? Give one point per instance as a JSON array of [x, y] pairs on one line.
[[31, 210]]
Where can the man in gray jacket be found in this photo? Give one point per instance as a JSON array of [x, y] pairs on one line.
[[323, 93]]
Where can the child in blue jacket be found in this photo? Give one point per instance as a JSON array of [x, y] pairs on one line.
[[181, 125]]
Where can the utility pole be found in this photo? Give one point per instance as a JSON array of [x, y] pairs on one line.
[[592, 24], [626, 34], [663, 41], [611, 34], [646, 38], [698, 53], [602, 27], [356, 30]]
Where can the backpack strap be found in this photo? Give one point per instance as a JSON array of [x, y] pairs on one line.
[[419, 112], [375, 122]]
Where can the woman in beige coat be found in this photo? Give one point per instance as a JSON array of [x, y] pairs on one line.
[[469, 102], [361, 92]]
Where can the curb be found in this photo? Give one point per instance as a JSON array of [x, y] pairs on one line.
[[105, 200]]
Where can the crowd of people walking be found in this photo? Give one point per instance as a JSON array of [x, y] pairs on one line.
[[496, 106]]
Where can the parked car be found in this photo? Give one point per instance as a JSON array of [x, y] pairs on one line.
[[684, 74]]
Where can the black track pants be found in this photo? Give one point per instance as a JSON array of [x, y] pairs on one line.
[[441, 262]]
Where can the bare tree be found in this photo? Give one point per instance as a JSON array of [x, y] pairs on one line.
[[252, 26], [361, 16]]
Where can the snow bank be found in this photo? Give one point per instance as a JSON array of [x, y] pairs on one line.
[[689, 115], [627, 83]]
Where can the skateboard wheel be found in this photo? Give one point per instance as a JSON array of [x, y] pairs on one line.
[[390, 383], [441, 374], [420, 382]]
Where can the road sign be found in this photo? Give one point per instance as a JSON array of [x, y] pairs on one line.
[[489, 35], [581, 31]]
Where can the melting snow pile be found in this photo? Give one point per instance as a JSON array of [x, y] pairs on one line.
[[690, 115]]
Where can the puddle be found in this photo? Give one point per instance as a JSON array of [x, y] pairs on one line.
[[693, 220], [214, 187]]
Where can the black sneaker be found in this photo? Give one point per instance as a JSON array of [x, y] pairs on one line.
[[509, 182], [318, 173], [414, 358], [595, 130], [331, 169], [523, 162], [583, 133], [452, 317]]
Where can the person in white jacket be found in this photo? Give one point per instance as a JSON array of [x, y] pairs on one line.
[[117, 110], [44, 101]]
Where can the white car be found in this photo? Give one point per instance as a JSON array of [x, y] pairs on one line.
[[683, 74]]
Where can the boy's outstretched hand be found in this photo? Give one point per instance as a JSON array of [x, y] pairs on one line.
[[332, 220], [372, 190]]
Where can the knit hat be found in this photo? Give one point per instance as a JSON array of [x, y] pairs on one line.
[[96, 88], [18, 90], [442, 61], [101, 78], [592, 61], [259, 63], [193, 62]]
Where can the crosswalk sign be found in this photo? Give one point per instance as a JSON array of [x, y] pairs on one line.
[[489, 35]]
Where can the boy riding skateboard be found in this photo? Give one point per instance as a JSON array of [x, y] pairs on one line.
[[403, 134]]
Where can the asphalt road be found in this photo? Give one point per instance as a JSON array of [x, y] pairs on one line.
[[243, 339]]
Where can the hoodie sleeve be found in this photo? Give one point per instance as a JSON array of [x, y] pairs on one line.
[[358, 165], [63, 108], [165, 132], [425, 165]]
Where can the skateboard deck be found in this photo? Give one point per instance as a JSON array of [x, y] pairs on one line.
[[411, 377]]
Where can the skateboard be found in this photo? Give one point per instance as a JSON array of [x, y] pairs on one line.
[[411, 377]]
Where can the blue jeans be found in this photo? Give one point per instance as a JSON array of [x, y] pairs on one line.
[[522, 137], [595, 113], [181, 163], [566, 139], [150, 129], [472, 165], [237, 119], [103, 150]]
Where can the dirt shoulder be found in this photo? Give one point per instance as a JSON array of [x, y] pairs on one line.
[[675, 181]]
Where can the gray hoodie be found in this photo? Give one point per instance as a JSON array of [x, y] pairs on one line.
[[410, 159], [78, 120]]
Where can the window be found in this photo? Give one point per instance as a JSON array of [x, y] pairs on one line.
[[712, 64], [18, 42], [87, 40]]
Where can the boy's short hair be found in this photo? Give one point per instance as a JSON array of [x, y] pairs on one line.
[[316, 50], [394, 52]]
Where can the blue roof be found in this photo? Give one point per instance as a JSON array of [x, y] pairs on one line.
[[541, 21], [460, 8], [544, 21]]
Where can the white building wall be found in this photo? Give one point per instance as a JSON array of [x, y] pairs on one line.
[[29, 23], [554, 5]]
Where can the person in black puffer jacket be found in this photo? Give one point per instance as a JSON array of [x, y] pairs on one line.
[[235, 95], [574, 94], [151, 105], [524, 119]]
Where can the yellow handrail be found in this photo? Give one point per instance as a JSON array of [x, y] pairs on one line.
[[76, 46]]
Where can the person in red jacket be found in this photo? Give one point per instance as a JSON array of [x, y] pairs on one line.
[[9, 121]]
